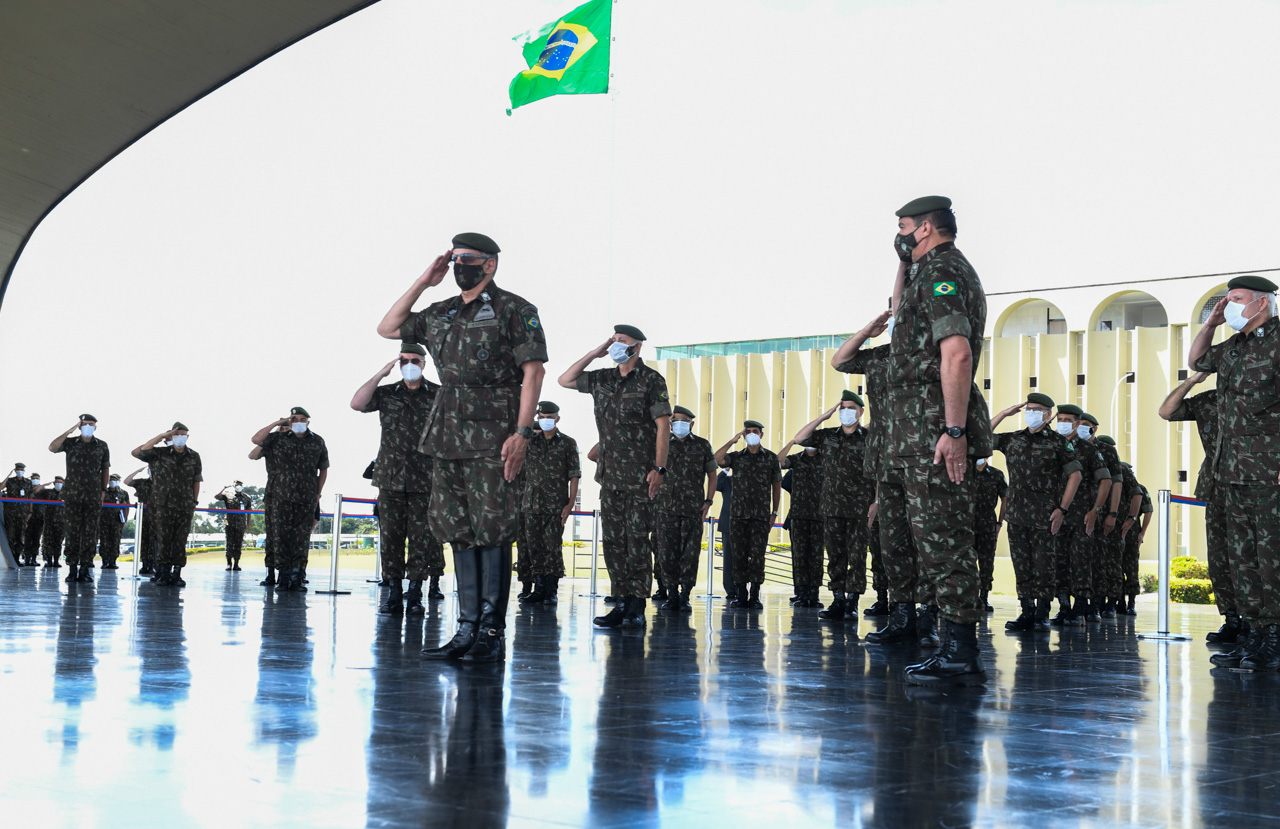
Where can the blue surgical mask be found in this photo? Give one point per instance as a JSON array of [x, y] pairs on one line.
[[1084, 431], [848, 417], [87, 430], [1035, 419], [681, 428], [1064, 428], [546, 424], [299, 428], [618, 352], [753, 439], [180, 440], [410, 372]]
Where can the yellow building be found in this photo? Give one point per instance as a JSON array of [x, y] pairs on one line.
[[1115, 349]]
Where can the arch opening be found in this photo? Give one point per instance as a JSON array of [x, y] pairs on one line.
[[1128, 310]]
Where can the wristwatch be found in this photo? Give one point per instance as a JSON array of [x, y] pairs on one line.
[[661, 470], [956, 432], [1113, 514], [525, 432]]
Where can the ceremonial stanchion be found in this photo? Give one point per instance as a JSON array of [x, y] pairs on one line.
[[333, 551], [710, 595], [137, 539], [1163, 511], [377, 552], [595, 551]]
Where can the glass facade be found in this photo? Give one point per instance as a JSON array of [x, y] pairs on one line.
[[680, 352]]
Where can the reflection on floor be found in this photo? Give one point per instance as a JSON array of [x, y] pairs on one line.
[[224, 704]]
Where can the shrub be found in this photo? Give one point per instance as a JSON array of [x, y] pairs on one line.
[[1150, 583], [1188, 567], [1191, 591]]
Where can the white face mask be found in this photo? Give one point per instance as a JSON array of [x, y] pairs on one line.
[[22, 473], [86, 430], [848, 417], [1064, 428], [114, 484], [811, 450], [681, 428], [1234, 312], [239, 489], [980, 462], [546, 424], [411, 372], [1035, 419], [753, 439], [618, 353], [299, 428], [58, 486], [35, 482], [1084, 431], [180, 440]]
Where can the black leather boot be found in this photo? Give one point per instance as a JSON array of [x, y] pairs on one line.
[[235, 564], [176, 578], [613, 618], [393, 602], [851, 609], [433, 590], [553, 590], [466, 568], [537, 594], [1026, 620], [1266, 656], [145, 570], [228, 564], [673, 602], [880, 607], [163, 572], [815, 599], [1065, 616], [660, 595], [85, 575], [1246, 643], [835, 612], [270, 579], [754, 598], [741, 597], [958, 662], [1042, 614], [1092, 611], [71, 574], [1131, 610], [1230, 631], [927, 627], [685, 606], [798, 598], [633, 613], [491, 643], [901, 628], [986, 604], [413, 598], [1109, 607]]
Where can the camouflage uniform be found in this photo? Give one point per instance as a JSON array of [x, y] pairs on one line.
[[111, 525], [942, 298], [1132, 547], [51, 517], [478, 350], [1073, 546], [35, 526], [991, 488], [805, 519], [1039, 463], [873, 365], [402, 475], [1108, 578], [754, 474], [16, 517], [147, 554], [1203, 409], [627, 409], [680, 503], [293, 493], [87, 460], [236, 522], [174, 475], [549, 465], [846, 496]]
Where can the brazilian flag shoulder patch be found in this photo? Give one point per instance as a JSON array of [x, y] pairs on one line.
[[944, 288], [532, 322], [662, 395]]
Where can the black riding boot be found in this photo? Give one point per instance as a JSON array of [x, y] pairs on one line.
[[901, 627], [433, 590], [393, 604], [413, 598], [466, 568], [495, 590], [835, 612], [959, 662], [927, 627], [1026, 620]]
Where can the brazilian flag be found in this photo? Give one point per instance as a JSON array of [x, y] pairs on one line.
[[568, 57]]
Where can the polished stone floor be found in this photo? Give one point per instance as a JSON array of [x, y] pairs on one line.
[[225, 705]]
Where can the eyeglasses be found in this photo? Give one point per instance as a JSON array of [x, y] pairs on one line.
[[412, 360], [470, 258]]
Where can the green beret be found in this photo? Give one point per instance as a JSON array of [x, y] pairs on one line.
[[848, 395], [19, 466], [115, 476], [237, 481], [475, 241], [547, 407], [299, 410], [1126, 464], [1253, 282], [180, 426], [1070, 409], [629, 330], [682, 410], [1040, 399], [1090, 418], [748, 424], [1107, 439], [412, 348], [89, 418], [57, 478], [924, 204]]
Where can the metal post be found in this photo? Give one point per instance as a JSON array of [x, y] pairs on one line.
[[377, 555], [1163, 518], [710, 595], [595, 555], [137, 538], [333, 551]]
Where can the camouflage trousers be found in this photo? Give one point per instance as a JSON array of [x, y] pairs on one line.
[[750, 541], [51, 542], [1131, 586], [402, 518], [269, 530], [986, 535], [545, 536], [679, 546], [1031, 550], [291, 540], [472, 505], [627, 519], [1108, 576], [109, 532], [904, 575], [173, 525], [15, 529], [1073, 559], [1253, 546], [846, 543], [806, 552], [878, 581], [80, 529], [235, 541], [1221, 573], [524, 559], [31, 543]]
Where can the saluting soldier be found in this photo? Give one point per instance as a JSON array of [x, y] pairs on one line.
[[35, 521], [235, 522], [1073, 545], [489, 349], [17, 485], [402, 475], [88, 470], [176, 474], [147, 552], [633, 417], [551, 473], [275, 467], [804, 521], [992, 490], [111, 526], [683, 503], [757, 491], [51, 541], [1138, 512], [303, 467]]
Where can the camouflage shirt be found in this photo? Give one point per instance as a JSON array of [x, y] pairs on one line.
[[1094, 470], [1203, 409], [1248, 369], [991, 487], [627, 409], [846, 492], [1038, 464], [548, 466], [754, 475], [18, 488], [1114, 466], [873, 365], [86, 461], [684, 487], [806, 486], [1130, 488], [174, 475], [114, 516], [142, 488], [1146, 501], [49, 514], [236, 500], [942, 298], [478, 349], [403, 413], [299, 459]]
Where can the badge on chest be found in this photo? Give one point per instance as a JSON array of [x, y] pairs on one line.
[[485, 313]]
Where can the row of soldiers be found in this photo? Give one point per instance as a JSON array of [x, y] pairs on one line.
[[34, 526]]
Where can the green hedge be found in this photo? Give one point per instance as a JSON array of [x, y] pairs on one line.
[[1150, 583], [1191, 591], [1188, 567]]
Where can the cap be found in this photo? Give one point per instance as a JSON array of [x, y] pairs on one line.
[[629, 330], [89, 417], [682, 410], [180, 426], [1040, 399], [1253, 282], [848, 395], [412, 348], [1107, 439], [299, 410], [115, 476], [547, 407], [748, 424], [1090, 418], [1070, 409], [19, 466], [476, 241], [924, 204]]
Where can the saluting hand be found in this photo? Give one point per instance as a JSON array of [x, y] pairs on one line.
[[1014, 409], [438, 270], [603, 349], [1219, 314], [387, 368], [878, 325]]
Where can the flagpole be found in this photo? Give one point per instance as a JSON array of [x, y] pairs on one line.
[[613, 160]]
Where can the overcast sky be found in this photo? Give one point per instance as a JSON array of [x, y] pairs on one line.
[[739, 183]]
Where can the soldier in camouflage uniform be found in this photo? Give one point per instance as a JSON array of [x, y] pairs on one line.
[[1044, 474], [1203, 410], [275, 472], [551, 473], [1073, 545], [51, 540], [933, 431], [235, 522], [633, 417], [683, 503], [111, 525], [1247, 462], [804, 521], [88, 470], [176, 474], [17, 485], [402, 475], [757, 484], [991, 491], [295, 489], [35, 522], [1108, 578], [489, 348], [1138, 509], [147, 552]]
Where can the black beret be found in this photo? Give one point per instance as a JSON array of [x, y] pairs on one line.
[[629, 330], [1107, 439], [1090, 418], [299, 410], [1040, 399], [89, 417], [1126, 464], [19, 466], [180, 426], [848, 395], [412, 348], [476, 241], [1070, 409], [115, 476], [748, 424], [1253, 282], [57, 477], [547, 407], [924, 204], [682, 410]]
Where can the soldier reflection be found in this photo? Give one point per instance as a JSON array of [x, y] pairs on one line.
[[540, 710], [1238, 780], [623, 783], [285, 710], [74, 681], [164, 678]]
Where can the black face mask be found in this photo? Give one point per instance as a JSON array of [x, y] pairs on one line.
[[468, 276], [904, 243]]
